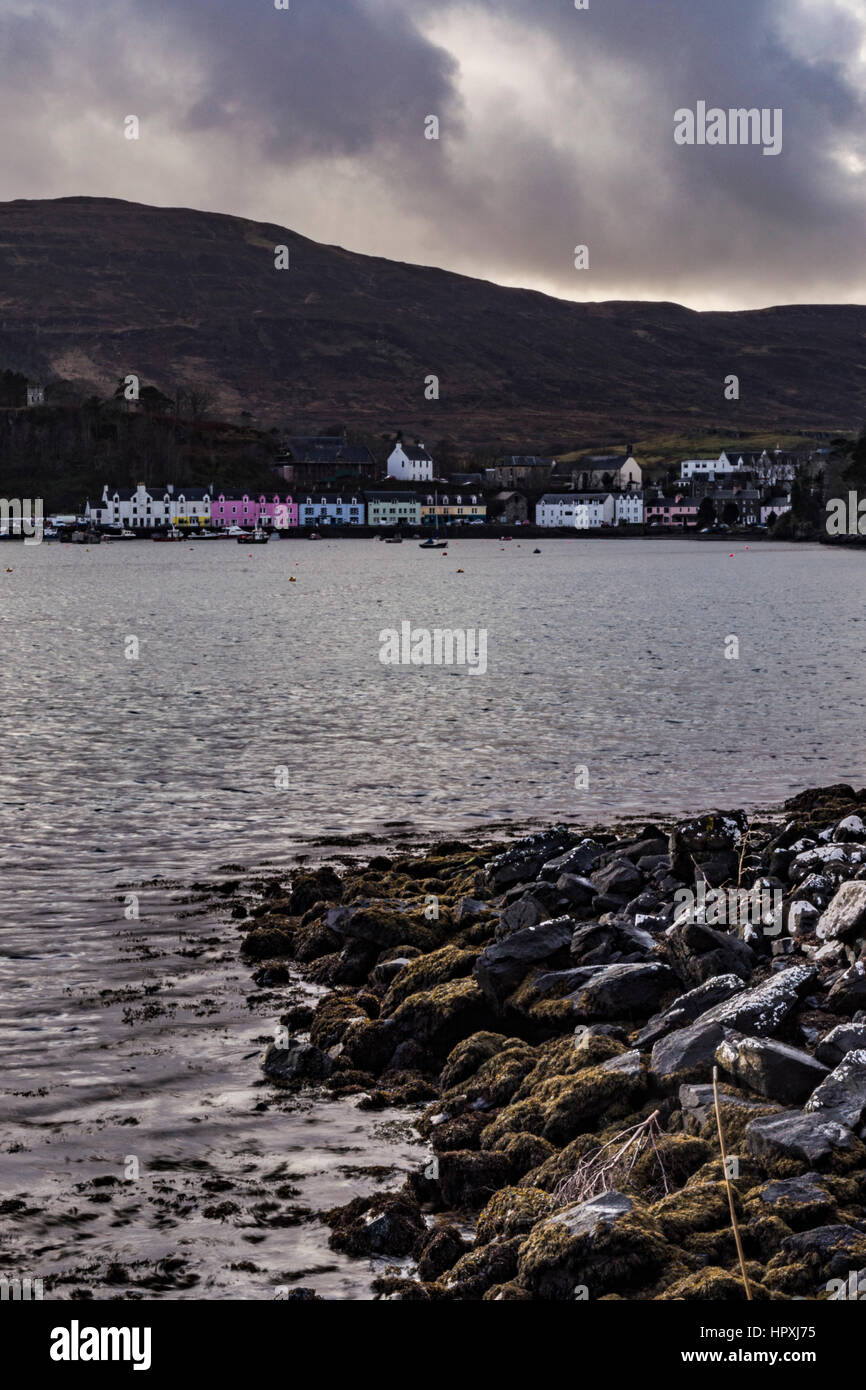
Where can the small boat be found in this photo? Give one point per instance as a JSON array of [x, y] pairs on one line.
[[536, 551], [172, 535], [393, 540], [125, 536], [430, 544], [257, 537], [314, 536]]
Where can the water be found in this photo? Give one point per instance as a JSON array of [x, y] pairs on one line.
[[137, 1039]]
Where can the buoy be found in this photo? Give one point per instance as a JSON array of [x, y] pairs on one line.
[[461, 571], [9, 571], [731, 556], [292, 579]]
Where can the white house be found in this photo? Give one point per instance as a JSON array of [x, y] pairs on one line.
[[708, 468], [775, 507], [143, 508], [628, 508], [35, 395], [585, 511], [411, 463], [331, 509]]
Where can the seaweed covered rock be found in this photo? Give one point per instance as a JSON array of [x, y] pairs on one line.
[[465, 1059], [389, 1223], [467, 1179], [436, 1018], [714, 1284], [321, 886], [800, 1202], [266, 942], [483, 1268], [441, 1248], [610, 1243], [427, 971], [513, 1211], [808, 1259]]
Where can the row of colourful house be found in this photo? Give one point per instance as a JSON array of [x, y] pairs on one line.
[[590, 510], [143, 508]]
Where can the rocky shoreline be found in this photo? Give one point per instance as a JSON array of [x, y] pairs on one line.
[[555, 1009]]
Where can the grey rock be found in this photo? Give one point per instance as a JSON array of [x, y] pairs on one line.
[[847, 994], [297, 1062], [578, 860], [845, 918], [844, 1038], [619, 880], [842, 1095], [773, 1069], [690, 1006], [762, 1010], [525, 859], [621, 991], [697, 1102], [851, 828], [686, 1055], [797, 1135], [501, 966]]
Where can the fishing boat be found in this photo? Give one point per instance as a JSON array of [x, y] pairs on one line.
[[314, 536], [257, 537], [171, 535]]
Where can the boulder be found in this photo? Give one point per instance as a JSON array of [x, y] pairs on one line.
[[686, 1055], [845, 918], [688, 1007], [438, 1017], [773, 1069], [609, 1243], [844, 1038], [762, 1010], [701, 952], [524, 860], [621, 991], [512, 1212], [502, 965], [850, 828], [295, 1063], [578, 860], [799, 1202], [619, 880], [387, 1224], [794, 1136], [847, 995], [842, 1095], [697, 1103]]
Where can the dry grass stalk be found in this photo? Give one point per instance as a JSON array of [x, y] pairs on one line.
[[734, 1222], [612, 1164]]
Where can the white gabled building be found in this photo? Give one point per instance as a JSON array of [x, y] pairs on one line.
[[628, 508], [144, 508], [584, 511], [708, 468], [411, 463]]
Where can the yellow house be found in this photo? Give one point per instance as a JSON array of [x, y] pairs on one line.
[[453, 508]]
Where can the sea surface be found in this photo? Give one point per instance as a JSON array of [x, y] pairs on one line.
[[179, 715]]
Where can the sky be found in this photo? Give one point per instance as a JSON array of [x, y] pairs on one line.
[[556, 130]]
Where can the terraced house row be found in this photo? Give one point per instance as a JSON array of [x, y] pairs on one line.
[[143, 508]]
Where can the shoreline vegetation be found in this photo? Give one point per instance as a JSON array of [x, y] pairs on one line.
[[553, 1011]]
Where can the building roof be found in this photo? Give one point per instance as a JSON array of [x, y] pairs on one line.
[[526, 461], [390, 496], [415, 452], [553, 499]]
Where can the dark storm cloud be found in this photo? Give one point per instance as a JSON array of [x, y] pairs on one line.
[[556, 129]]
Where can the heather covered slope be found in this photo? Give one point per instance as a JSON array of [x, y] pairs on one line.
[[94, 288]]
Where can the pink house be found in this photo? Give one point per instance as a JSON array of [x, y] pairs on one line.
[[666, 511], [253, 509]]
